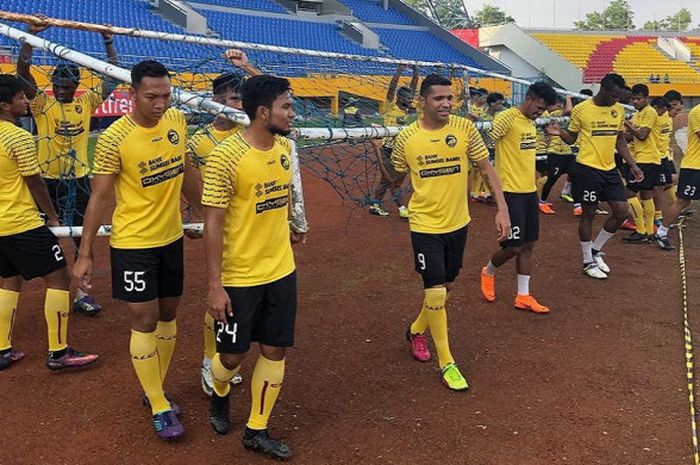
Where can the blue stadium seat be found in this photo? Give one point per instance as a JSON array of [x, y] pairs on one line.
[[372, 12], [259, 5]]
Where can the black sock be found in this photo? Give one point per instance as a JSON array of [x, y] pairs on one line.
[[5, 351]]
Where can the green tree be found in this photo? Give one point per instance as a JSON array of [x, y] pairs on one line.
[[491, 15], [617, 16], [450, 14], [677, 22]]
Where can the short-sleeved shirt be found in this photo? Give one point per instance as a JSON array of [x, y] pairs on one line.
[[18, 212], [597, 128], [438, 162], [661, 132], [254, 187], [205, 140], [515, 138], [64, 130], [691, 159], [148, 164], [645, 151]]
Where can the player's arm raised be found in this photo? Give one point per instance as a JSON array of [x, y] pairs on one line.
[[24, 62]]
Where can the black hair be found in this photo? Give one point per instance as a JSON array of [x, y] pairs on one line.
[[147, 68], [433, 80], [226, 82], [640, 89], [542, 90], [66, 72], [494, 97], [611, 80], [10, 86], [672, 95], [588, 92], [404, 92], [262, 91], [659, 102]]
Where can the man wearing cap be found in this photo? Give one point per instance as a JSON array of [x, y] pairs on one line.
[[63, 128]]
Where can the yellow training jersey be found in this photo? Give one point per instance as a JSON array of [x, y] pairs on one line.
[[64, 130], [439, 165], [148, 164], [556, 144], [515, 137], [18, 212], [691, 159], [542, 141], [205, 140], [597, 129], [253, 186], [661, 132], [645, 151]]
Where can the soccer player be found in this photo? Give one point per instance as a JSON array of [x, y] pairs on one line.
[[662, 139], [560, 156], [437, 150], [141, 159], [641, 129], [688, 180], [63, 128], [28, 249], [251, 270], [227, 91], [674, 99], [597, 125], [395, 114], [515, 135], [480, 191]]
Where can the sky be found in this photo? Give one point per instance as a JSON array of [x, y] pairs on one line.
[[562, 13]]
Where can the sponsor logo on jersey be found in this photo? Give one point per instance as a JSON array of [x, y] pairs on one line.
[[444, 171], [271, 204], [173, 137]]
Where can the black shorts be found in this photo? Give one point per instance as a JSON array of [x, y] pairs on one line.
[[541, 162], [70, 199], [668, 169], [389, 166], [524, 218], [688, 184], [438, 257], [31, 254], [560, 164], [591, 185], [652, 177], [142, 275], [264, 314]]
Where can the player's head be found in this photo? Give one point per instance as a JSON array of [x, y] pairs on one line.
[[640, 96], [538, 98], [495, 101], [660, 105], [227, 90], [150, 89], [611, 89], [404, 97], [64, 82], [267, 100], [675, 102], [436, 97], [13, 102]]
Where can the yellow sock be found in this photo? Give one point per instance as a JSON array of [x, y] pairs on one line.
[[648, 210], [209, 336], [222, 376], [658, 215], [420, 325], [8, 307], [144, 357], [434, 307], [265, 386], [671, 192], [635, 207], [166, 335], [540, 185], [56, 307]]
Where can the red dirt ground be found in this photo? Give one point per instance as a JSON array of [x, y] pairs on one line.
[[599, 381]]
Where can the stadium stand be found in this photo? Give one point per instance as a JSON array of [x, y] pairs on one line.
[[576, 49]]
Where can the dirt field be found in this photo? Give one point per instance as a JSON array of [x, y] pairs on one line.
[[599, 381]]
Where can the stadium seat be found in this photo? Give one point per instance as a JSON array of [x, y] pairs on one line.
[[371, 11], [259, 5]]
